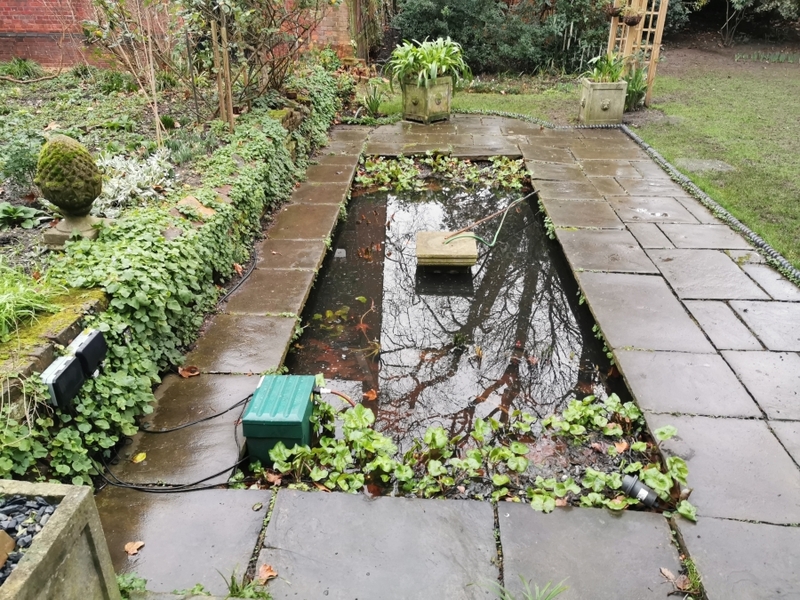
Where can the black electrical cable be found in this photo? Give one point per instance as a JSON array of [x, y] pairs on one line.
[[164, 488], [244, 278], [208, 418]]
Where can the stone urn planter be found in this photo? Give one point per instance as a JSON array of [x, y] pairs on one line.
[[427, 72], [602, 103], [68, 559], [427, 104]]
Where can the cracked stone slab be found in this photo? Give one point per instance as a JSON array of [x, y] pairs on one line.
[[620, 554], [607, 186], [719, 237], [705, 275], [242, 344], [345, 546], [773, 378], [271, 291], [555, 171], [193, 453], [304, 222], [578, 213], [568, 190], [638, 209], [546, 153], [737, 468], [775, 284], [788, 433], [640, 312], [777, 324], [678, 382], [609, 168], [187, 536], [320, 193], [649, 235], [744, 561], [722, 325], [291, 254], [604, 250]]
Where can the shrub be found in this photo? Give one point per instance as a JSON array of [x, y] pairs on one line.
[[21, 68], [18, 160]]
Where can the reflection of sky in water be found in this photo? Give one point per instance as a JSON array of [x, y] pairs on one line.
[[515, 313]]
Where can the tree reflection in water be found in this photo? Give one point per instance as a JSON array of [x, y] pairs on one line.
[[509, 335]]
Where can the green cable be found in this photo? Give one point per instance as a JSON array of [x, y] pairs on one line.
[[497, 233]]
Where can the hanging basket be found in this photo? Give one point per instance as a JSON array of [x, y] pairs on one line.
[[631, 20], [612, 11]]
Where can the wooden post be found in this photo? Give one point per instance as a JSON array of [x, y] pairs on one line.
[[656, 51], [227, 68], [223, 114]]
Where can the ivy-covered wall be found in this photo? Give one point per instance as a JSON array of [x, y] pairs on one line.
[[160, 287]]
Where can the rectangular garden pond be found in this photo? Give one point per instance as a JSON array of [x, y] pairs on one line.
[[441, 347]]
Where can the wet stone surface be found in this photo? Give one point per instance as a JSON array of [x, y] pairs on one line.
[[291, 254], [777, 324], [604, 250], [788, 433], [304, 222], [620, 554], [773, 282], [271, 291], [704, 236], [400, 548], [678, 382], [746, 474], [649, 235], [705, 274], [189, 537], [21, 518], [744, 561], [638, 209], [574, 213], [773, 379], [640, 312], [722, 325]]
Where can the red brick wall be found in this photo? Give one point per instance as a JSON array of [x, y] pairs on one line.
[[49, 31]]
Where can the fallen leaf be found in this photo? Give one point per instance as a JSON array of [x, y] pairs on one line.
[[265, 573], [478, 353], [238, 268], [532, 360], [462, 489], [36, 275], [274, 479], [621, 446], [189, 371], [682, 583], [363, 327], [139, 458], [258, 506], [132, 548], [371, 395], [561, 501], [373, 490], [320, 487], [667, 574], [52, 125], [599, 447], [613, 371]]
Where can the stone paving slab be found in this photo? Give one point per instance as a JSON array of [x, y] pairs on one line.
[[343, 546], [775, 284], [607, 186], [291, 254], [647, 168], [242, 344], [719, 237], [788, 433], [187, 536], [638, 186], [195, 452], [320, 193], [336, 159], [577, 213], [649, 235], [745, 561], [705, 275], [304, 222], [330, 173], [678, 382], [642, 209], [601, 149], [737, 468], [271, 291], [602, 555], [746, 257], [546, 153], [777, 324], [640, 312], [773, 379], [485, 152], [700, 212], [609, 250], [555, 171], [722, 325], [609, 168], [568, 190]]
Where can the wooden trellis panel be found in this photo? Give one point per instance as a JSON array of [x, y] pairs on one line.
[[641, 41]]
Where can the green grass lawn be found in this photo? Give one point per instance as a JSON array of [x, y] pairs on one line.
[[745, 116]]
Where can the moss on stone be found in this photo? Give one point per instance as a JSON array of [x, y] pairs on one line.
[[68, 176]]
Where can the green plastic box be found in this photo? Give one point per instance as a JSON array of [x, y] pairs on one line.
[[278, 412]]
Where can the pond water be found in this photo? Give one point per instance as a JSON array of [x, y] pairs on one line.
[[424, 347]]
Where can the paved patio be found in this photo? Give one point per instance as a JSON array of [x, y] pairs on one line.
[[705, 334]]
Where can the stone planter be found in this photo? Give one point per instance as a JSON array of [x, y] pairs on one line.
[[68, 559], [427, 104], [602, 103]]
